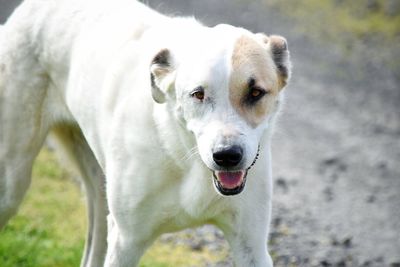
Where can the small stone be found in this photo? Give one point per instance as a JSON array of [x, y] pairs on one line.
[[335, 242], [284, 259], [334, 177], [273, 236], [371, 199], [328, 193], [294, 260], [325, 263], [347, 243], [282, 184], [382, 166], [277, 221], [372, 5], [197, 245], [331, 161], [342, 167], [392, 7]]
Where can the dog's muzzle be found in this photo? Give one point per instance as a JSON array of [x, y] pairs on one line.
[[230, 183]]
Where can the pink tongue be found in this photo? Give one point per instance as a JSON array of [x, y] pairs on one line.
[[230, 180]]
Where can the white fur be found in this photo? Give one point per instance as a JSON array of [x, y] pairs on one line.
[[81, 69]]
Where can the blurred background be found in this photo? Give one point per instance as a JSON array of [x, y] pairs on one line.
[[336, 150]]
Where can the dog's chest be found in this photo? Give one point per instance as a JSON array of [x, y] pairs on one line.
[[184, 202]]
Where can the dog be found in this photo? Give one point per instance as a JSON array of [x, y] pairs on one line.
[[168, 121]]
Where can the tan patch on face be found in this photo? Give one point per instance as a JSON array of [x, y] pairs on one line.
[[251, 59]]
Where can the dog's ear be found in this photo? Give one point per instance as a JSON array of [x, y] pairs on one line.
[[280, 54], [161, 75]]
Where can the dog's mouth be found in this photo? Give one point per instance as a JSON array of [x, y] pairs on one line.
[[230, 183]]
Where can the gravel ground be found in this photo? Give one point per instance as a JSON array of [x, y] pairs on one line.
[[336, 150]]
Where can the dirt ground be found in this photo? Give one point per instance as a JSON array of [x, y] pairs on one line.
[[336, 150]]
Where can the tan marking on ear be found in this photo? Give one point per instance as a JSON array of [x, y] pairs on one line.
[[252, 59]]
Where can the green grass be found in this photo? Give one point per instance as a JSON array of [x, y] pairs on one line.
[[332, 19], [50, 227]]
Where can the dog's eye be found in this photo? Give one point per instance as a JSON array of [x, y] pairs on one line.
[[255, 94], [198, 93]]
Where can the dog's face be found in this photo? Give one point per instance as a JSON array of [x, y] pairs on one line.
[[226, 93]]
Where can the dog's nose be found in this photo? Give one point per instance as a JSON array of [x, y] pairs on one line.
[[228, 156]]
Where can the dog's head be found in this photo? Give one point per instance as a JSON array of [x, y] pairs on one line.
[[226, 89]]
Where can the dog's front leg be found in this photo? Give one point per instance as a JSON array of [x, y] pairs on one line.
[[123, 250], [247, 236], [130, 222]]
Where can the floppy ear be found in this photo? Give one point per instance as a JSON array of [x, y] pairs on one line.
[[280, 54], [161, 75]]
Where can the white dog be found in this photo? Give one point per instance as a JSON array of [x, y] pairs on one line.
[[173, 117]]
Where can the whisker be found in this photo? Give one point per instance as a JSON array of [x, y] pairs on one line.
[[193, 151], [196, 152]]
